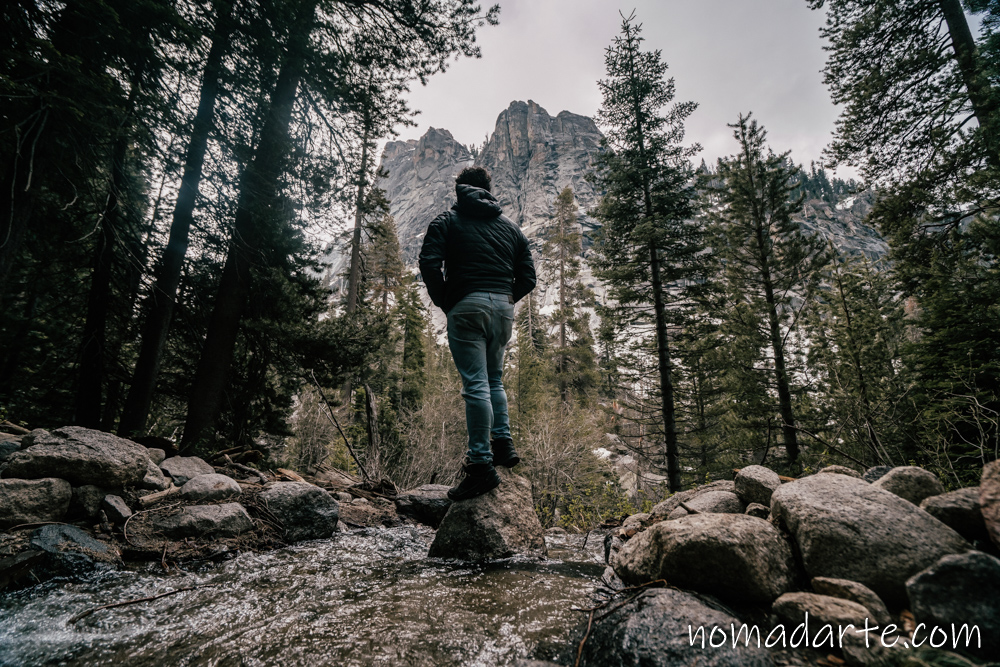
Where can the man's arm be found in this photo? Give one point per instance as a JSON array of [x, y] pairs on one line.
[[524, 271], [432, 254]]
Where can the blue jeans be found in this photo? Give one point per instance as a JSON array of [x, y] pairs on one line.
[[479, 328]]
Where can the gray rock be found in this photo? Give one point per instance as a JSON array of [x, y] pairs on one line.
[[87, 501], [343, 497], [71, 550], [635, 520], [959, 510], [875, 473], [535, 663], [214, 486], [306, 511], [360, 501], [711, 502], [961, 589], [498, 524], [989, 499], [115, 509], [183, 468], [33, 500], [733, 556], [8, 447], [656, 631], [755, 484], [80, 456], [667, 506], [910, 482], [758, 510], [846, 528], [154, 480], [226, 520], [156, 455], [791, 609], [842, 470], [855, 592], [556, 530]]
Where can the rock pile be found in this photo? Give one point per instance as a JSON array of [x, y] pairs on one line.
[[838, 546]]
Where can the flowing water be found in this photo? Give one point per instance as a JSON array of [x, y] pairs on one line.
[[369, 597]]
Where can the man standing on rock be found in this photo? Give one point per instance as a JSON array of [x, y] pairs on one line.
[[487, 268]]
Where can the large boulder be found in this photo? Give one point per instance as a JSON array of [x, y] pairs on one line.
[[184, 468], [33, 500], [425, 504], [156, 455], [80, 456], [910, 482], [214, 486], [711, 502], [226, 520], [733, 556], [855, 592], [841, 470], [666, 628], [87, 501], [846, 528], [989, 499], [305, 510], [960, 511], [665, 507], [961, 589], [755, 484], [498, 524], [71, 550], [154, 480]]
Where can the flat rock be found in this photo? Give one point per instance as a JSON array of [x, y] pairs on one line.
[[959, 510], [80, 456], [214, 486], [711, 502], [667, 506], [425, 504], [960, 589], [791, 609], [757, 510], [989, 499], [71, 550], [305, 510], [875, 473], [115, 509], [755, 484], [846, 528], [183, 468], [733, 556], [841, 470], [226, 520], [910, 482], [635, 520], [33, 500], [855, 592], [498, 524], [657, 629]]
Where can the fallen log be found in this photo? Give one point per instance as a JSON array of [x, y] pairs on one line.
[[145, 501], [14, 428], [247, 469]]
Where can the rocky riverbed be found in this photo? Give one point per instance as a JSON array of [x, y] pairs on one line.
[[205, 564]]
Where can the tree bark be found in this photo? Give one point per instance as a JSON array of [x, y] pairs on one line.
[[257, 194], [163, 297]]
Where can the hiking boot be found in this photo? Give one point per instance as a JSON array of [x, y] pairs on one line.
[[503, 453], [480, 478]]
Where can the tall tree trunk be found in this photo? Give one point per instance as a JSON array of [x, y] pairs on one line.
[[90, 382], [17, 199], [980, 91], [354, 277], [781, 374], [258, 189], [163, 297]]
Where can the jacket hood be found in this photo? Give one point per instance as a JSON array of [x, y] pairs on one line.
[[476, 202]]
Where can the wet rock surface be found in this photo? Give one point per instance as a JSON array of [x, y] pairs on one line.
[[71, 551], [498, 524], [307, 512]]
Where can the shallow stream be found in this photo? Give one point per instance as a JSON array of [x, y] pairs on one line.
[[368, 597]]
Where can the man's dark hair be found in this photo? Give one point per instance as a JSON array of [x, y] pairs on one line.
[[477, 177]]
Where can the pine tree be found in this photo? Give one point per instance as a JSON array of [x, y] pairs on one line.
[[573, 352], [648, 245], [771, 268]]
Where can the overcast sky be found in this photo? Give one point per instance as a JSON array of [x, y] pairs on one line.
[[729, 56]]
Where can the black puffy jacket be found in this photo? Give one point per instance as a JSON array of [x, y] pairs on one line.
[[480, 249]]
